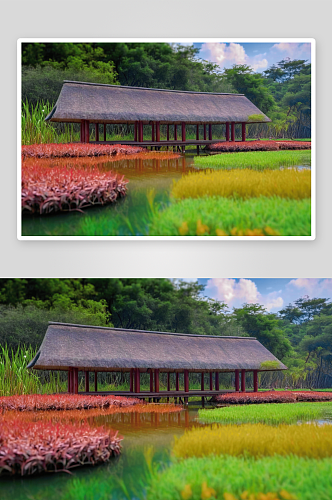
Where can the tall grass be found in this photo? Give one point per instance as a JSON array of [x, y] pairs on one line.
[[16, 379], [216, 216], [256, 440], [235, 478], [290, 184], [270, 413], [257, 160]]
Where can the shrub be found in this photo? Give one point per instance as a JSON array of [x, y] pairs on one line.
[[273, 397], [257, 146], [227, 216], [28, 448], [246, 183], [77, 149], [47, 190]]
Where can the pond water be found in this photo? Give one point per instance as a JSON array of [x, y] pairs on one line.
[[140, 431]]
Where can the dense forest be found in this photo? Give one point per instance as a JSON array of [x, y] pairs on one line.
[[283, 91], [300, 335]]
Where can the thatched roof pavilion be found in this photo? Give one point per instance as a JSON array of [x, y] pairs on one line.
[[90, 348], [85, 103]]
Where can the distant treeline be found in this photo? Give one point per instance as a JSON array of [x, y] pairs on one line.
[[283, 91], [300, 334]]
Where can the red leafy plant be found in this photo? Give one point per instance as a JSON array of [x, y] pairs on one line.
[[239, 398], [231, 147], [28, 448], [77, 149], [50, 190], [45, 402]]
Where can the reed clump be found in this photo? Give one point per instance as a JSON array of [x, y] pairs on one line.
[[237, 478], [256, 440], [290, 184], [256, 160], [270, 413], [217, 216]]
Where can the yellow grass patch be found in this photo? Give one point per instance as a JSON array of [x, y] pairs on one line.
[[257, 440], [245, 183]]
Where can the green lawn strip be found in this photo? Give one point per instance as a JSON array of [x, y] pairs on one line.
[[287, 217], [257, 160], [307, 479], [271, 413]]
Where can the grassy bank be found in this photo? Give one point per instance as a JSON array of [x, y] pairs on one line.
[[217, 216], [258, 160], [235, 478]]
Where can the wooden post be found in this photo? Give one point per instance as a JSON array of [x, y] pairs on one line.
[[211, 381], [203, 402], [87, 131], [157, 131], [255, 381], [186, 380], [243, 381], [69, 381], [152, 132], [82, 131], [227, 131], [131, 380], [168, 383], [237, 380], [210, 131], [217, 381], [75, 373], [177, 385], [87, 389], [96, 381], [156, 380], [202, 381], [183, 126], [138, 380], [151, 380], [97, 132], [204, 131], [175, 132], [197, 137], [232, 131], [104, 132], [135, 132], [243, 131], [168, 131]]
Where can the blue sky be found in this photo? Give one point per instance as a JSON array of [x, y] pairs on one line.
[[273, 293], [259, 56]]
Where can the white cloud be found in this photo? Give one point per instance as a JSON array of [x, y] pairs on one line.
[[234, 53], [235, 293], [312, 286], [294, 50]]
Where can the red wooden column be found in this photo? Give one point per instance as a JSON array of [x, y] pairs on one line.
[[87, 388], [210, 131], [168, 131], [69, 381], [186, 380], [96, 381], [75, 377], [157, 131], [137, 380], [197, 137], [177, 385], [202, 381], [97, 132], [151, 380], [255, 381], [243, 381], [87, 131], [204, 131], [237, 380], [232, 131], [243, 132], [131, 380], [175, 132], [168, 383], [104, 132], [82, 131], [152, 131], [217, 381], [135, 131], [156, 380], [183, 129], [211, 381], [227, 131]]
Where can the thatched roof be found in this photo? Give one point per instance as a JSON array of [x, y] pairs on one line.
[[119, 104], [106, 349]]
